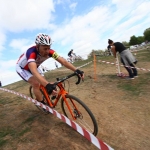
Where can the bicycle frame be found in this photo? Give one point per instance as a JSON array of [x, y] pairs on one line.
[[72, 107], [62, 94]]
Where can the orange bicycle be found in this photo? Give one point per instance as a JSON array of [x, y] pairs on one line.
[[72, 107]]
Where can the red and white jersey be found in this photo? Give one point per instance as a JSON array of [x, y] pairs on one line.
[[32, 55]]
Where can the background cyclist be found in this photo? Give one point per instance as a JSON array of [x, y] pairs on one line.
[[70, 54], [29, 61]]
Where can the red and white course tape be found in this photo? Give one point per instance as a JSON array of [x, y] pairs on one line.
[[97, 142], [124, 66], [77, 67]]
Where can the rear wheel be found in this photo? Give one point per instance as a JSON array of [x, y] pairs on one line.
[[33, 96], [82, 114]]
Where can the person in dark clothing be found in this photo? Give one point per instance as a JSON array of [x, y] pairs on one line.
[[109, 49], [126, 57], [0, 83], [70, 54]]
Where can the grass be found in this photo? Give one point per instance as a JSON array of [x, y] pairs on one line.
[[78, 63], [130, 88], [29, 120], [4, 100], [15, 85], [3, 133], [136, 86], [27, 129], [2, 142], [12, 133], [143, 56]]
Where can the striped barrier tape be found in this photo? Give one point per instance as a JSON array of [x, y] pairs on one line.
[[85, 64], [77, 67], [123, 65], [119, 74], [97, 142]]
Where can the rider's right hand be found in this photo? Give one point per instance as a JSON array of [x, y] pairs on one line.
[[50, 88]]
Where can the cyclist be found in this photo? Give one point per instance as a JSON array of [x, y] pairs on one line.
[[70, 54], [28, 63]]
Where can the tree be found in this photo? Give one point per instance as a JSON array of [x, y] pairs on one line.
[[133, 40], [125, 43], [96, 52], [140, 39], [147, 34]]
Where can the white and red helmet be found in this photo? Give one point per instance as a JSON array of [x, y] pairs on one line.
[[43, 39]]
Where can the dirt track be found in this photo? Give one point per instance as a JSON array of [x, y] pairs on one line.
[[123, 118]]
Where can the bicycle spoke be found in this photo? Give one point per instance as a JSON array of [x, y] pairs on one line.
[[84, 124], [80, 119], [83, 116], [83, 120]]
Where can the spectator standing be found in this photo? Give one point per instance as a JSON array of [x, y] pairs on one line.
[[126, 57], [56, 65], [43, 69], [0, 84]]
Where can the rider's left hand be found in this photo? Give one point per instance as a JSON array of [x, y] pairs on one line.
[[80, 73]]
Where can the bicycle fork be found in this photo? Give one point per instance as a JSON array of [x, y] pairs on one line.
[[74, 111]]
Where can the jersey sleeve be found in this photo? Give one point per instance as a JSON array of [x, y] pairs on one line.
[[31, 56], [53, 54]]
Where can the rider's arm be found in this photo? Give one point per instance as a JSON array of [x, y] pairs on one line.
[[113, 51], [33, 68], [70, 66], [66, 63]]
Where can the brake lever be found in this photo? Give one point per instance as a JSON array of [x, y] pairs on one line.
[[79, 79]]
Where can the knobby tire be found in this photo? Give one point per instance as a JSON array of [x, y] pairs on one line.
[[86, 119]]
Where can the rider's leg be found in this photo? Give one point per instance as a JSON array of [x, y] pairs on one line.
[[35, 84], [71, 58], [28, 77]]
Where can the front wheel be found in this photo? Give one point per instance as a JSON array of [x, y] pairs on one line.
[[82, 114]]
